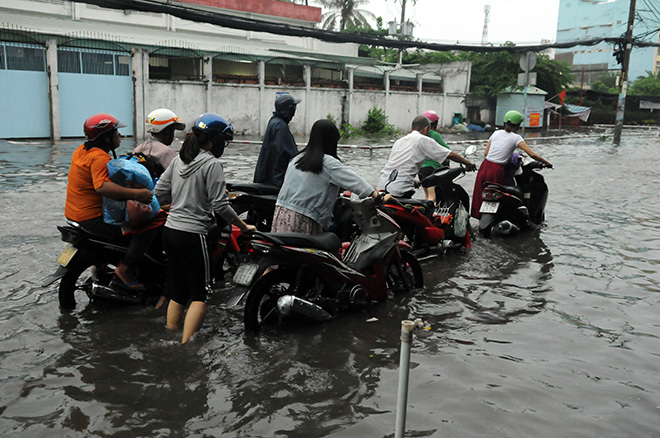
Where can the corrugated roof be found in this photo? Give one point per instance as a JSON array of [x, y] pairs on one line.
[[519, 90]]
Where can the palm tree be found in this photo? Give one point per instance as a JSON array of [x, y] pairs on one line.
[[346, 13]]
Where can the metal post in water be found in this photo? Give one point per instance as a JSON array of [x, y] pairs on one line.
[[407, 328]]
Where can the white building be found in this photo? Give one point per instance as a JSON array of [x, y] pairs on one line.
[[62, 61]]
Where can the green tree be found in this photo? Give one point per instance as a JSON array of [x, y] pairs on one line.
[[606, 83], [552, 76], [492, 72], [648, 85], [343, 13]]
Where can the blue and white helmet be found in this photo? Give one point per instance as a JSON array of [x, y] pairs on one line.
[[210, 122]]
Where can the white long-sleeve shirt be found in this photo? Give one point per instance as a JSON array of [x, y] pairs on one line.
[[407, 156]]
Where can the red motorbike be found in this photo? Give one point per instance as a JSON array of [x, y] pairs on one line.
[[443, 225]]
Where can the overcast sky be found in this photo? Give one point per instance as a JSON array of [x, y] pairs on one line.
[[519, 21]]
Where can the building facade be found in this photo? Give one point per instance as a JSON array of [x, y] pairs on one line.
[[590, 19], [62, 61]]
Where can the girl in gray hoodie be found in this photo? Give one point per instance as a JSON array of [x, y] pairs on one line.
[[195, 185]]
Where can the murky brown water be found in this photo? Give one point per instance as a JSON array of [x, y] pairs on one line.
[[551, 334]]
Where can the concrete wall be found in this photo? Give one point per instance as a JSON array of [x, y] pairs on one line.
[[186, 99], [249, 107]]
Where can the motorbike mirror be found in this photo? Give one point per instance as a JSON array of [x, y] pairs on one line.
[[470, 150], [393, 175]]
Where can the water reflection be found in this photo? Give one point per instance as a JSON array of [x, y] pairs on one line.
[[545, 333], [138, 378]]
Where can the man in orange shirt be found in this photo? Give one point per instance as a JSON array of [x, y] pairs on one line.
[[89, 182]]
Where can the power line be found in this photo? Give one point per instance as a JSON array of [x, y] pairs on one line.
[[199, 14]]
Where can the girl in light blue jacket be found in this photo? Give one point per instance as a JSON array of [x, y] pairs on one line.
[[312, 183]]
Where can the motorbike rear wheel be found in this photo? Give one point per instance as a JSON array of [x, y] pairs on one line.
[[404, 274], [261, 303], [228, 263]]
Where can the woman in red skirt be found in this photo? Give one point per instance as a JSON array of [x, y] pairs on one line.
[[501, 147]]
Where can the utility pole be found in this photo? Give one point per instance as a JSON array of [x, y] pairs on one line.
[[623, 83], [403, 23]]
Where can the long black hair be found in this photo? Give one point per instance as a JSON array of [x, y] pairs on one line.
[[192, 144], [323, 140]]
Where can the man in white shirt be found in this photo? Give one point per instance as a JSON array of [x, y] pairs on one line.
[[407, 156]]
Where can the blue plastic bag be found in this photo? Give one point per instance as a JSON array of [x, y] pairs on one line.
[[127, 172]]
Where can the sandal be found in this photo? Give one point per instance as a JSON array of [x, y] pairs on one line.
[[133, 286]]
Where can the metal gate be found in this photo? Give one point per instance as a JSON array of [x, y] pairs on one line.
[[93, 81], [24, 108]]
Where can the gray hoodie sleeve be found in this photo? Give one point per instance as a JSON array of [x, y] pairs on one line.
[[163, 189], [216, 190], [343, 177]]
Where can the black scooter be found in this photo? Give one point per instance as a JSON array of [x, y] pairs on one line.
[[254, 203], [508, 209], [88, 264]]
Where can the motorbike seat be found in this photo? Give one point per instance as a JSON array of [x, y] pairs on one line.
[[428, 206], [324, 241], [512, 190], [254, 188], [515, 191], [75, 228]]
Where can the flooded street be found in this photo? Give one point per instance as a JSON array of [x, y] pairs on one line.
[[550, 334]]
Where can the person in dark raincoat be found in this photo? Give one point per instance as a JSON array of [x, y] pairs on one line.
[[279, 145]]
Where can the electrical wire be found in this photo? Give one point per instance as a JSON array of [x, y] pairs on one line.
[[200, 14]]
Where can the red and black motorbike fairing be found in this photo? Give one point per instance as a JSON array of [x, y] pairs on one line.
[[313, 274]]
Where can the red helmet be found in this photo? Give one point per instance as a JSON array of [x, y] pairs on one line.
[[99, 124]]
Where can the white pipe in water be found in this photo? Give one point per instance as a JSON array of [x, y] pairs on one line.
[[407, 328]]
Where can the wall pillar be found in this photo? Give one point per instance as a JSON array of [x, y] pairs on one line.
[[261, 71], [386, 82], [207, 71], [53, 90], [351, 83], [420, 83], [140, 64], [444, 100], [307, 73]]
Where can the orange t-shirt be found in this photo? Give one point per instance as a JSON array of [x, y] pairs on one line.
[[88, 172]]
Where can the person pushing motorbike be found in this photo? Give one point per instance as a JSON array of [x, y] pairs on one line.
[[279, 145], [408, 154], [312, 184], [499, 150], [195, 185]]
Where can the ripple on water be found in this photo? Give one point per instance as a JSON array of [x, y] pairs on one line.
[[553, 333]]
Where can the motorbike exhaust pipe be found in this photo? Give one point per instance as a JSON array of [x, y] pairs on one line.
[[290, 304], [102, 292], [505, 228]]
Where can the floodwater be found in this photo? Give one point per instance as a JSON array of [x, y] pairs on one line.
[[554, 333]]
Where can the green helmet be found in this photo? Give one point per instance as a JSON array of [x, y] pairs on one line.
[[513, 117]]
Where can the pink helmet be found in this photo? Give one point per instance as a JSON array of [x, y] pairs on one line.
[[431, 115]]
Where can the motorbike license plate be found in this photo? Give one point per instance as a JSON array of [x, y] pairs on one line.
[[489, 207], [245, 273], [67, 254]]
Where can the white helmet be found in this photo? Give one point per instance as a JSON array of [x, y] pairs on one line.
[[159, 119]]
